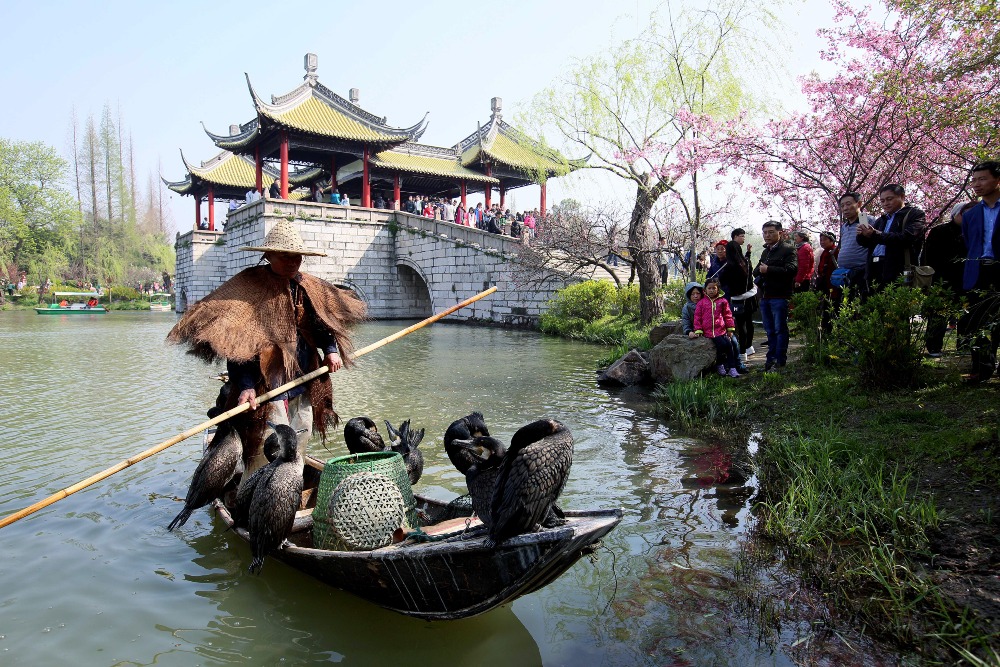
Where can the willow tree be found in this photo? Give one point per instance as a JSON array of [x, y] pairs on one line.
[[639, 108]]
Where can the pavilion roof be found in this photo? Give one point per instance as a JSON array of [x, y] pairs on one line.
[[316, 110], [235, 172], [500, 142], [423, 160]]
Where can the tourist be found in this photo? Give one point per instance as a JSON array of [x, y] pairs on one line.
[[807, 261], [713, 319], [91, 303], [379, 201], [851, 254], [738, 285], [233, 205], [345, 200], [718, 260], [945, 252], [775, 274], [613, 252], [662, 260], [428, 211], [274, 192], [693, 291], [894, 240], [981, 273], [829, 294], [335, 196], [408, 206], [319, 196], [252, 196], [273, 324], [203, 224]]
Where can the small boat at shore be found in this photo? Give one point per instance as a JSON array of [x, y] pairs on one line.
[[160, 303], [453, 574], [72, 308]]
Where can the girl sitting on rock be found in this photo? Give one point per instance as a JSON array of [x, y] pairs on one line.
[[714, 320]]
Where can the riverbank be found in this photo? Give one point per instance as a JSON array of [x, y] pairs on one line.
[[886, 503]]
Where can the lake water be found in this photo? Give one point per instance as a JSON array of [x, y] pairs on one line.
[[97, 580]]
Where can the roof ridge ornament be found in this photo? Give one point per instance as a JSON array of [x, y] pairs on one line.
[[496, 106], [310, 62]]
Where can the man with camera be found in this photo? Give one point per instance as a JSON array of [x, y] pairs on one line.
[[894, 240]]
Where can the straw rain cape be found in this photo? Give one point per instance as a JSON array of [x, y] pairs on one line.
[[251, 316]]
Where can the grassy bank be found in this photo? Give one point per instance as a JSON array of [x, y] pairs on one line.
[[885, 500]]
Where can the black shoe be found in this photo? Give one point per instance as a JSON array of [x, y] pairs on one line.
[[780, 364], [742, 370], [768, 365]]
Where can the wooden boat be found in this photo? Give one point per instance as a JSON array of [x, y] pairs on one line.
[[453, 578], [73, 308], [160, 303]]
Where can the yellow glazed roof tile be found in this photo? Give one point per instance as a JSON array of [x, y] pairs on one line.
[[429, 165], [315, 117]]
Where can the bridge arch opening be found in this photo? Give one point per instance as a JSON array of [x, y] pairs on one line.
[[414, 293]]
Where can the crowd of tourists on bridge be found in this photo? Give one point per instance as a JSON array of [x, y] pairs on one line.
[[961, 254]]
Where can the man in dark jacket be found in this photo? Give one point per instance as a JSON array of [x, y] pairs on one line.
[[944, 251], [981, 273], [775, 273], [894, 240]]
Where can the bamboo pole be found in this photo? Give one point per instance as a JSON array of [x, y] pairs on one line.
[[195, 430]]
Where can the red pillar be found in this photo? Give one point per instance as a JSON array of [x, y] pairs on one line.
[[366, 188], [260, 168], [541, 204], [211, 209], [333, 173], [464, 192], [197, 211], [284, 165], [395, 191], [489, 188], [503, 196]]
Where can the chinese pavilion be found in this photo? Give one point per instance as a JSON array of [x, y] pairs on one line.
[[336, 144]]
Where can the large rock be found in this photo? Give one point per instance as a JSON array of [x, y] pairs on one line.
[[627, 371], [661, 331], [678, 357]]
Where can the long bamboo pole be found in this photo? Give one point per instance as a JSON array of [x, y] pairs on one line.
[[195, 430]]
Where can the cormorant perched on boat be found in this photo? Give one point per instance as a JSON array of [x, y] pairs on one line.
[[405, 441], [532, 475], [223, 459], [221, 400], [244, 494], [361, 435], [465, 428], [481, 476], [276, 498]]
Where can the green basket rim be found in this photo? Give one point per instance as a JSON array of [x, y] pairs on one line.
[[364, 457]]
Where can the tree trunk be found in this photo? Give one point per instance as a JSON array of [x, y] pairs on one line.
[[641, 243]]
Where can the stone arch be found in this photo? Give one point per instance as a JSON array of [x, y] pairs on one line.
[[357, 289], [415, 290]]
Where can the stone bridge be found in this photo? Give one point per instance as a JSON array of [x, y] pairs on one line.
[[401, 265]]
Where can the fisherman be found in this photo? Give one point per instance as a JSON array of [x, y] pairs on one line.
[[269, 323]]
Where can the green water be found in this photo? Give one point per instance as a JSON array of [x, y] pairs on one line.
[[96, 579]]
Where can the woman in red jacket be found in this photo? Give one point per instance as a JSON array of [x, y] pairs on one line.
[[806, 262]]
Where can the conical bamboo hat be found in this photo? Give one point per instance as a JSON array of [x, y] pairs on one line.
[[283, 237]]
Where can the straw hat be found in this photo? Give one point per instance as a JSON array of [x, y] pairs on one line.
[[283, 237]]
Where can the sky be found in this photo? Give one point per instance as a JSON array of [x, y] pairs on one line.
[[170, 66]]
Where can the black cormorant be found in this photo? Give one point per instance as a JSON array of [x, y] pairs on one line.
[[465, 428], [361, 435], [276, 498], [481, 476], [223, 459], [405, 441], [532, 475]]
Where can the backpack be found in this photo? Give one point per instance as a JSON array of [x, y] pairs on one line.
[[840, 278]]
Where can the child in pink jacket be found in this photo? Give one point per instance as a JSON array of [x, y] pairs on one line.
[[714, 320]]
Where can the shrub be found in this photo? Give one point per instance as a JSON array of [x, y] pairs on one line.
[[884, 336], [123, 293], [589, 300], [701, 400], [806, 319]]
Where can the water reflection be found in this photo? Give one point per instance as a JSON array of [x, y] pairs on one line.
[[91, 393]]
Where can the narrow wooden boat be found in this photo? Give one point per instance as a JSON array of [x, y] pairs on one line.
[[455, 577], [73, 308]]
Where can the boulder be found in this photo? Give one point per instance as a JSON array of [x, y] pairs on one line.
[[678, 357], [661, 331], [629, 370]]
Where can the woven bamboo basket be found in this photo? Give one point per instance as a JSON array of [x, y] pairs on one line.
[[340, 468]]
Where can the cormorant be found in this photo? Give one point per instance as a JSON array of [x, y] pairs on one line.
[[223, 459], [481, 476], [532, 475], [405, 441], [361, 435], [465, 428], [244, 494], [276, 498]]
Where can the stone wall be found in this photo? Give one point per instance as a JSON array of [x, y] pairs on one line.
[[401, 265]]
